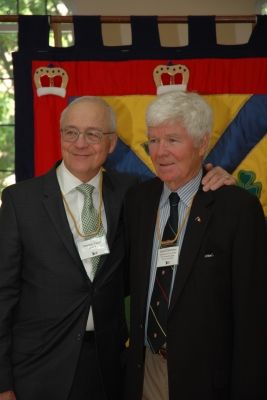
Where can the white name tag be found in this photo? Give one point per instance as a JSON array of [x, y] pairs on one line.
[[168, 256], [96, 246]]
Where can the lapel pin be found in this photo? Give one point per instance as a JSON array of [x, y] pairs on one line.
[[198, 219]]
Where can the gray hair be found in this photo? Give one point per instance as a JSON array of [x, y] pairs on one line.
[[188, 108], [96, 100]]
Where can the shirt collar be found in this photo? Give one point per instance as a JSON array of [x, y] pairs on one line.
[[68, 182], [185, 192]]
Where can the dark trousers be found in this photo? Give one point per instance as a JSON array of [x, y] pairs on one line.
[[87, 383]]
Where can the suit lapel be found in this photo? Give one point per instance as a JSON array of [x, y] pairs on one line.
[[148, 212], [196, 227], [112, 203], [54, 206]]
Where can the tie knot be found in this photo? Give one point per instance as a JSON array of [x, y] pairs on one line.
[[174, 199], [86, 189]]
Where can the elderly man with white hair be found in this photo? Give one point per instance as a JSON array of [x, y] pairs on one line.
[[198, 273]]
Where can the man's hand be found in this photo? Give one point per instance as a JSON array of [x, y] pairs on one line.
[[8, 395], [215, 178]]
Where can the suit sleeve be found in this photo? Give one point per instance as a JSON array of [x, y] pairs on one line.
[[10, 256], [249, 296]]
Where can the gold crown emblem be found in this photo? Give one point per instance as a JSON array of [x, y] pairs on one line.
[[51, 80], [171, 71]]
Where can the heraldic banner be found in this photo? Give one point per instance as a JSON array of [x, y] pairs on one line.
[[232, 78]]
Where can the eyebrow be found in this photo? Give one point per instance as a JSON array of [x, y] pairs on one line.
[[167, 135], [86, 129]]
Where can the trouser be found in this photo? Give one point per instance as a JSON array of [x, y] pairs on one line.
[[87, 383], [155, 378]]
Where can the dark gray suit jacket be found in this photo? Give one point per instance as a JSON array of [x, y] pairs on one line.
[[217, 319], [45, 293]]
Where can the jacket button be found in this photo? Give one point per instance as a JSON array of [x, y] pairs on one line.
[[139, 366], [79, 337]]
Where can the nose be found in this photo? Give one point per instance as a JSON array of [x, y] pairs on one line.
[[162, 147], [81, 141]]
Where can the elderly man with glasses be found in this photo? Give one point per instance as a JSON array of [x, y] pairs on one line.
[[62, 322]]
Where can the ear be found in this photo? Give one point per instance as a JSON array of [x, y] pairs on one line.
[[203, 148], [113, 142]]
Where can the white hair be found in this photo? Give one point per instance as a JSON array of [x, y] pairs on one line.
[[188, 108]]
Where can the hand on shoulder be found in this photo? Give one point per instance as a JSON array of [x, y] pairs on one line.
[[216, 177], [8, 395]]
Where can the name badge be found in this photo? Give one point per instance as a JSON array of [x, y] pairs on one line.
[[168, 256], [93, 247]]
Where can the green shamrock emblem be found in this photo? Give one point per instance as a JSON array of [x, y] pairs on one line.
[[246, 180]]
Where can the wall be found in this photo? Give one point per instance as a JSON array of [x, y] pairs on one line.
[[171, 34]]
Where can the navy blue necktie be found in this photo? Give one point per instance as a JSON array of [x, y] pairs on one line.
[[158, 310]]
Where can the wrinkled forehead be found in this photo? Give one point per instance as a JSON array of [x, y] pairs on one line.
[[86, 114], [168, 127]]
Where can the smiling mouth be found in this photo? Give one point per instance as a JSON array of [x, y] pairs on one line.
[[165, 165]]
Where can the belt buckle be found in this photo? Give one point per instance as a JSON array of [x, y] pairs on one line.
[[163, 353]]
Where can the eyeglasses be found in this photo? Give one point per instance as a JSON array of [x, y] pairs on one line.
[[92, 136]]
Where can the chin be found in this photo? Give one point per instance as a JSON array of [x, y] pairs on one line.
[[166, 177]]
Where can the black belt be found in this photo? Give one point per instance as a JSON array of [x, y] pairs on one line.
[[89, 336]]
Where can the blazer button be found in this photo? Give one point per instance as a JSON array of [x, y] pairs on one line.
[[79, 337]]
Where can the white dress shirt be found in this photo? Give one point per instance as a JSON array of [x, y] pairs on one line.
[[75, 200]]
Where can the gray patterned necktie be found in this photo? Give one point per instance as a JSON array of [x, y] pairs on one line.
[[90, 218]]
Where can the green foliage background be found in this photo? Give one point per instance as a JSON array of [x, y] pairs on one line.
[[8, 44]]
